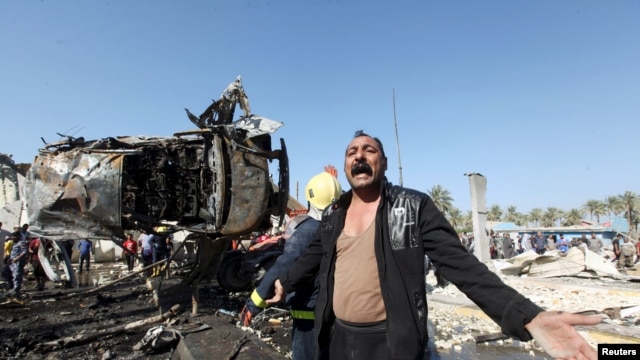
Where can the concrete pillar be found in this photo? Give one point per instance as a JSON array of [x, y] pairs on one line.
[[478, 187]]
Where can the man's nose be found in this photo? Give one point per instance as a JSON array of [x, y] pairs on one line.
[[359, 155]]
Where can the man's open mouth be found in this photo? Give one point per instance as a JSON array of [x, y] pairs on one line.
[[361, 168]]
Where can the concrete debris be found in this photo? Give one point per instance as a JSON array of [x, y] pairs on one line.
[[630, 311], [577, 262], [457, 321]]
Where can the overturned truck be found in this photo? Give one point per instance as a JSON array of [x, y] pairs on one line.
[[213, 181]]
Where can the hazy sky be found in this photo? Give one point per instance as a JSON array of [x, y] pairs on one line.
[[542, 97]]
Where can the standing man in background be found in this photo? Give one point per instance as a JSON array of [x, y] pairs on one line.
[[85, 246], [540, 243], [130, 251], [34, 259], [24, 232], [595, 244], [508, 249], [616, 242], [146, 249], [627, 252], [13, 271]]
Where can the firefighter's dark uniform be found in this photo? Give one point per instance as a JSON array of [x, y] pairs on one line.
[[303, 301]]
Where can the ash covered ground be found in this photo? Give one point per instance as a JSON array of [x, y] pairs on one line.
[[51, 315], [40, 317]]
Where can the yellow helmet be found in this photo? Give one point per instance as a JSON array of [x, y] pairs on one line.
[[322, 190]]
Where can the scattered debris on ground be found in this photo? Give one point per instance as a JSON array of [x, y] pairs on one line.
[[122, 321]]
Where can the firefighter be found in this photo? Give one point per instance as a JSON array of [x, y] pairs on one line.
[[320, 192]]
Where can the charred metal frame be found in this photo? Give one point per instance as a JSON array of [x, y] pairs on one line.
[[213, 180]]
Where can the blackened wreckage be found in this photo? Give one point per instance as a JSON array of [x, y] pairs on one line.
[[212, 181]]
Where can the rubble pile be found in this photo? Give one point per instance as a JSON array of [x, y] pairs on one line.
[[618, 301]]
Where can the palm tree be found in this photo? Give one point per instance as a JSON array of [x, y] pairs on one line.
[[467, 221], [512, 214], [614, 205], [573, 217], [521, 219], [441, 198], [630, 203], [495, 213], [627, 203], [535, 216], [456, 218], [595, 207], [547, 220], [551, 215]]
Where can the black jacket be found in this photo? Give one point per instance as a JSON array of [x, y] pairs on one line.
[[408, 226]]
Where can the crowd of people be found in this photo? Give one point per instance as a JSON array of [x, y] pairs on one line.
[[154, 247], [21, 249], [150, 247], [624, 251], [21, 255]]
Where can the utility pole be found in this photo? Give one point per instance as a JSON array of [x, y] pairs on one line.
[[395, 123]]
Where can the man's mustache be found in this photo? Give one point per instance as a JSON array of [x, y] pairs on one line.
[[361, 168]]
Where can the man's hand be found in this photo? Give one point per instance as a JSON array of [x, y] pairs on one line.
[[554, 331], [331, 170], [278, 296]]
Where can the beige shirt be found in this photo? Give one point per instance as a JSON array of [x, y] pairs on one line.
[[357, 296]]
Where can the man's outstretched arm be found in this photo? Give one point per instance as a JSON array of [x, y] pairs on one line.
[[555, 332]]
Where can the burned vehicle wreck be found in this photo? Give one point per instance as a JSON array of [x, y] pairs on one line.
[[213, 181]]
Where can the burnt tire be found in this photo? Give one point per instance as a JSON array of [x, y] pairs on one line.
[[231, 278]]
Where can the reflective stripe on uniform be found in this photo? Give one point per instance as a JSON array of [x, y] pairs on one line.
[[258, 300], [302, 314]]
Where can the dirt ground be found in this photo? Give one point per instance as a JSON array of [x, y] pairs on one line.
[[50, 315], [53, 315]]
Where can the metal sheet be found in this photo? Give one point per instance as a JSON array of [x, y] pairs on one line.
[[74, 195]]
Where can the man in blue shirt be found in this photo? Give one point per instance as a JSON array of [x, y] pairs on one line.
[[562, 245], [85, 246], [146, 247]]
